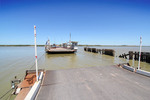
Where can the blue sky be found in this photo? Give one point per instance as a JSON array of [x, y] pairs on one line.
[[97, 22]]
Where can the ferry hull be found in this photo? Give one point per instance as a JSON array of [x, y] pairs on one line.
[[60, 51]]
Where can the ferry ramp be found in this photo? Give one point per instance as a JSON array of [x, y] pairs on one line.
[[94, 83]]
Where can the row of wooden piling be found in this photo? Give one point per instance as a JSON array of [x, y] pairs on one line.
[[101, 51], [132, 69], [145, 56]]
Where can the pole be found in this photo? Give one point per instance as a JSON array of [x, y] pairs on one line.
[[70, 39], [140, 52], [133, 61], [35, 53]]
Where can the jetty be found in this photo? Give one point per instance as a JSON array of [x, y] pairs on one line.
[[109, 52], [145, 56], [94, 83]]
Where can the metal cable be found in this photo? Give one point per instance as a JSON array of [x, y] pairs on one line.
[[37, 60], [5, 93], [33, 65], [9, 97]]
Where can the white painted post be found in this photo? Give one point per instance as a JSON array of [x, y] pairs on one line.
[[35, 53], [127, 59], [133, 61], [140, 52], [70, 40]]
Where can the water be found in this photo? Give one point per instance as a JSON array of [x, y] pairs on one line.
[[15, 60]]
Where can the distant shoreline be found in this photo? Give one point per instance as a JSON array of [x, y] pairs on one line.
[[18, 45], [78, 45], [115, 45]]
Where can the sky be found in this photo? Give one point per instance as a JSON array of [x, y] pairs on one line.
[[93, 22]]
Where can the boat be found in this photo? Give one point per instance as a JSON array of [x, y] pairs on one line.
[[70, 47]]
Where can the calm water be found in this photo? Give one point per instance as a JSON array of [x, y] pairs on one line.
[[15, 60]]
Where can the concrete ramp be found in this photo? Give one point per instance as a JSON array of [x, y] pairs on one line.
[[94, 83]]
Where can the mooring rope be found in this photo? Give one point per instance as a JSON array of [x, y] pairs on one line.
[[9, 97], [5, 93]]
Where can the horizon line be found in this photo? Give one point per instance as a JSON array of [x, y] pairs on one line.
[[78, 45]]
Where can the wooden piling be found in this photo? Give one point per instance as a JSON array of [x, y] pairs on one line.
[[130, 55], [148, 58], [89, 49], [136, 55], [145, 56], [94, 50], [101, 51], [109, 52], [85, 48]]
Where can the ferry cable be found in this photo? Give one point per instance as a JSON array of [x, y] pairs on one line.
[[5, 93], [9, 97], [33, 64], [37, 60]]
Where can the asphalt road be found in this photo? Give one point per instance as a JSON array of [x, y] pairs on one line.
[[94, 83]]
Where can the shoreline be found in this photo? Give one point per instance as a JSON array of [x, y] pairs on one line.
[[78, 45]]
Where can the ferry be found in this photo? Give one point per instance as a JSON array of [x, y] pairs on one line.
[[70, 47]]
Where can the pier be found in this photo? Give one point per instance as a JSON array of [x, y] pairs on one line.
[[94, 83], [145, 56], [109, 52]]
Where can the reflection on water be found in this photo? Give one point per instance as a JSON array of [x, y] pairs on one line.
[[78, 60], [59, 61], [15, 60]]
